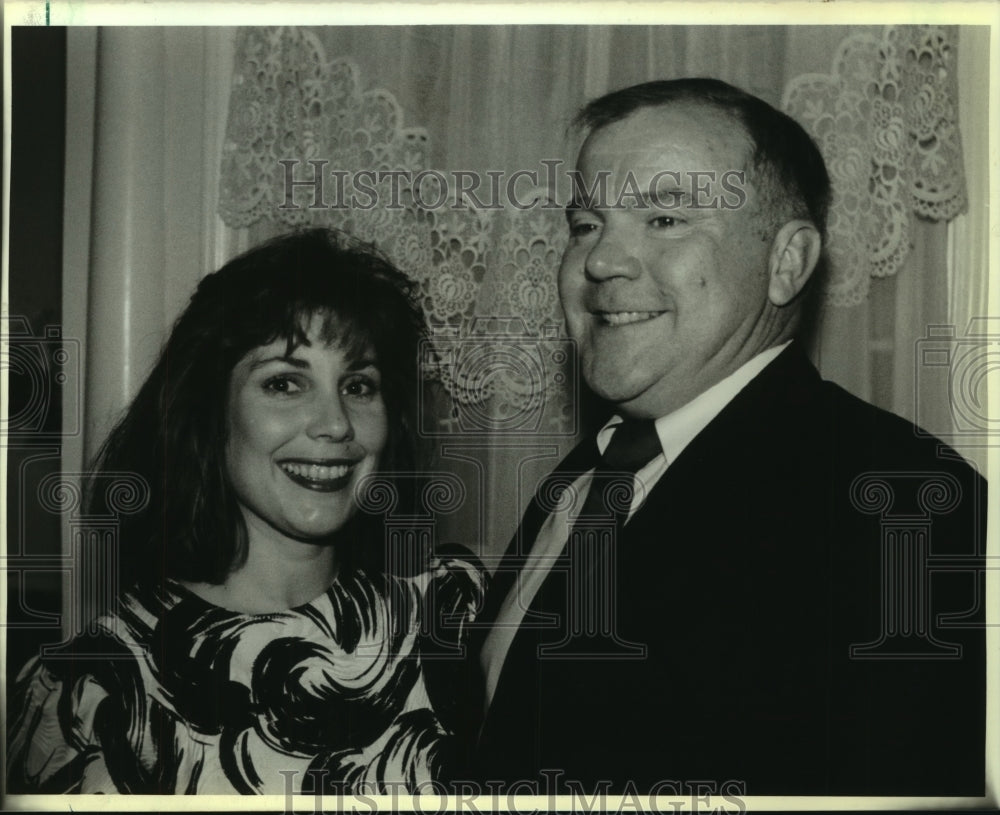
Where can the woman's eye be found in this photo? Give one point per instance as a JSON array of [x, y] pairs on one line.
[[362, 386], [283, 385]]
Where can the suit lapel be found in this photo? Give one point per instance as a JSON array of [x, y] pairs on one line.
[[788, 381], [790, 378]]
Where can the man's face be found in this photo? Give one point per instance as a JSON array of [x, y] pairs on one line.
[[666, 300]]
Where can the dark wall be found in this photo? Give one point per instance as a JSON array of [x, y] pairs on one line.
[[38, 137]]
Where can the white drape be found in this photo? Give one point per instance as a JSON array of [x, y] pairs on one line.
[[145, 121], [144, 118], [970, 296]]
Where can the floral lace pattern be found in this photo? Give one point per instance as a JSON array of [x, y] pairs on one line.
[[886, 122], [486, 275], [884, 118], [289, 102]]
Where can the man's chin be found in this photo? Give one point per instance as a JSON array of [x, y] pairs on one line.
[[640, 398], [618, 392]]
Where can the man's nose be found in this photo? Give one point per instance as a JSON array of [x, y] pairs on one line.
[[328, 420], [611, 257]]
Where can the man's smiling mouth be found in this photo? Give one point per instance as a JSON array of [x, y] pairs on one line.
[[617, 318]]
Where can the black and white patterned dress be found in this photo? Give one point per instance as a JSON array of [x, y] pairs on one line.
[[349, 692]]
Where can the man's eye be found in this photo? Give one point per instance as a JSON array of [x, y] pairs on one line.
[[283, 385], [578, 228], [664, 221], [363, 387]]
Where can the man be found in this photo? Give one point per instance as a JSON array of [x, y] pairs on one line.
[[758, 611]]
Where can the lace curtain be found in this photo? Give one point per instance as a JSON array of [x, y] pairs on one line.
[[886, 120], [486, 274], [502, 398], [884, 117]]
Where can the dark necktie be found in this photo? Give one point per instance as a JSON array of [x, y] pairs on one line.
[[571, 626], [584, 595], [632, 446]]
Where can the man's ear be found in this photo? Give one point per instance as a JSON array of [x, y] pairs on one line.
[[794, 254]]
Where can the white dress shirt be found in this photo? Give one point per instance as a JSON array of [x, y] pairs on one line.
[[676, 430]]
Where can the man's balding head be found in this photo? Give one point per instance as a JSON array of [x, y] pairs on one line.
[[694, 229], [786, 167]]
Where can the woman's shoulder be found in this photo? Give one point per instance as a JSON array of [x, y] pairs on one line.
[[63, 697], [453, 588], [456, 571], [120, 632], [458, 560]]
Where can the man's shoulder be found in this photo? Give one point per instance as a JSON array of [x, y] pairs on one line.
[[845, 425], [880, 435]]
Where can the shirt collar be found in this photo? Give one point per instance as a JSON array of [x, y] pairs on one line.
[[677, 429]]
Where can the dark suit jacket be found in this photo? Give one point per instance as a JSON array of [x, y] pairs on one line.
[[782, 574]]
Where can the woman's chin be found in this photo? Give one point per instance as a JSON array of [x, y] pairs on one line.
[[312, 530], [314, 535]]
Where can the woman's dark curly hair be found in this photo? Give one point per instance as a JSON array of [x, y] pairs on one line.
[[174, 432]]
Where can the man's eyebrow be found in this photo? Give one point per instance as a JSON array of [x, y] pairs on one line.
[[667, 197], [664, 197], [577, 204]]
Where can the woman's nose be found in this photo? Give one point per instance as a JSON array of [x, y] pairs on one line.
[[328, 420]]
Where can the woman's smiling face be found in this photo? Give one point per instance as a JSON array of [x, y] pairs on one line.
[[302, 430]]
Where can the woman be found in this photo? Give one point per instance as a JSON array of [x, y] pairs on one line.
[[261, 646]]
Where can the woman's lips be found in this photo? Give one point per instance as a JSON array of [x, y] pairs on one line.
[[326, 477]]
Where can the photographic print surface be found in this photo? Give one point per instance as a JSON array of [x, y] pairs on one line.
[[677, 494]]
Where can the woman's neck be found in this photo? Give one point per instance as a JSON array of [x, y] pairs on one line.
[[279, 574]]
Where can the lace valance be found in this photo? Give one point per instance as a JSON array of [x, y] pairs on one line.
[[886, 120], [884, 117], [487, 276]]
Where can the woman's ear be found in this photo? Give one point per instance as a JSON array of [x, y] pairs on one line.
[[794, 254]]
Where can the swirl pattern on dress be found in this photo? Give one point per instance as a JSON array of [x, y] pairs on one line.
[[199, 699]]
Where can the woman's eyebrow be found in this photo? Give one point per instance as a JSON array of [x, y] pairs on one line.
[[363, 362], [295, 362]]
